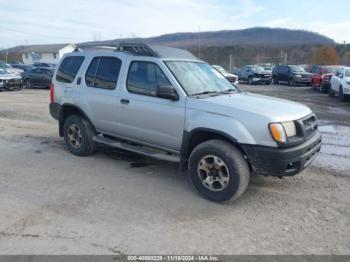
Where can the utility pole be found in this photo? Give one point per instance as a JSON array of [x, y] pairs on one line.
[[285, 58], [199, 42], [230, 63]]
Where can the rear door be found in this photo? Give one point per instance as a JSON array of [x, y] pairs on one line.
[[99, 96], [36, 76], [65, 80]]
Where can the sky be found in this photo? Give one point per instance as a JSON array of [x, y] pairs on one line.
[[74, 21]]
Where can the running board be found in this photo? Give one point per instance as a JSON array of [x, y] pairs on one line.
[[147, 151]]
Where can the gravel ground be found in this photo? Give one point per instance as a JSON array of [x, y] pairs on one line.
[[52, 202]]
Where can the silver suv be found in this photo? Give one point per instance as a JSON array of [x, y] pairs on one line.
[[165, 103]]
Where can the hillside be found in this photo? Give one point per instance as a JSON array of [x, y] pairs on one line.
[[252, 36]]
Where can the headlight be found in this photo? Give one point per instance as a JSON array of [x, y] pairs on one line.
[[298, 76], [281, 131], [290, 128]]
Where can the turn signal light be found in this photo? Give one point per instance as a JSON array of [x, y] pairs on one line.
[[277, 132]]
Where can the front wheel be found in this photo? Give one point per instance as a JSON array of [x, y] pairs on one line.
[[342, 96], [250, 80], [292, 82], [78, 136], [218, 170]]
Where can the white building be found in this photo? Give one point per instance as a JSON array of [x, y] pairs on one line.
[[45, 53]]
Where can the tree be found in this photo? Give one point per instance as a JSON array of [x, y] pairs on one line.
[[346, 58], [325, 55]]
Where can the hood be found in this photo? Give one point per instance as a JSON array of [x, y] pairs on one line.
[[264, 73], [242, 105], [9, 76], [229, 75], [14, 70]]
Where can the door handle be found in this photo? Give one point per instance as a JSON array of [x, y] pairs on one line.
[[124, 101]]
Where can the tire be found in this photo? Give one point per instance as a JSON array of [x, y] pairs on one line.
[[78, 136], [28, 83], [236, 177], [342, 97], [292, 82], [250, 80], [275, 80], [323, 90]]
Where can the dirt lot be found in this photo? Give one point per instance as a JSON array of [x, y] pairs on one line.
[[113, 202]]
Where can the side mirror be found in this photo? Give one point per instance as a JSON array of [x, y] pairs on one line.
[[167, 92]]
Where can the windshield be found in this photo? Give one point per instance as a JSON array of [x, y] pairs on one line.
[[198, 77], [297, 69], [258, 69], [347, 73], [4, 65]]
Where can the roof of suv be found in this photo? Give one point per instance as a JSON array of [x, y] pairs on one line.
[[141, 49]]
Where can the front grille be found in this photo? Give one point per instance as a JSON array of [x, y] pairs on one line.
[[13, 83], [266, 76], [231, 79], [309, 125]]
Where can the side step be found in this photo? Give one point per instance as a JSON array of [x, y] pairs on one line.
[[143, 150]]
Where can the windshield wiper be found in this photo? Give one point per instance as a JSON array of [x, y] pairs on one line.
[[205, 93], [228, 91]]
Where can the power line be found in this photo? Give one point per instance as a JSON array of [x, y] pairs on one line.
[[29, 33]]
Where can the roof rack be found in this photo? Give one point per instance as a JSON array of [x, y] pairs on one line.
[[141, 49]]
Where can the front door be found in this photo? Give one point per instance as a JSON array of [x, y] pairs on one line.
[[145, 117]]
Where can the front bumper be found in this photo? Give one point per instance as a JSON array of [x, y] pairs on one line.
[[301, 80], [274, 161], [258, 80]]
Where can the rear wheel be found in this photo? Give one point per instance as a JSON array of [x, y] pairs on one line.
[[323, 89], [78, 136], [218, 170], [331, 92], [28, 83]]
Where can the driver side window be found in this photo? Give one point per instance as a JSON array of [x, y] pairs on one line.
[[145, 77]]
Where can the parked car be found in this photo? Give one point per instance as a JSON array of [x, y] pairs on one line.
[[254, 74], [9, 81], [10, 69], [41, 64], [321, 76], [232, 78], [167, 104], [291, 74], [340, 84], [25, 68], [38, 77]]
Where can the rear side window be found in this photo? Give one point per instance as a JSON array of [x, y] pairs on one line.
[[145, 77], [103, 72], [69, 68]]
